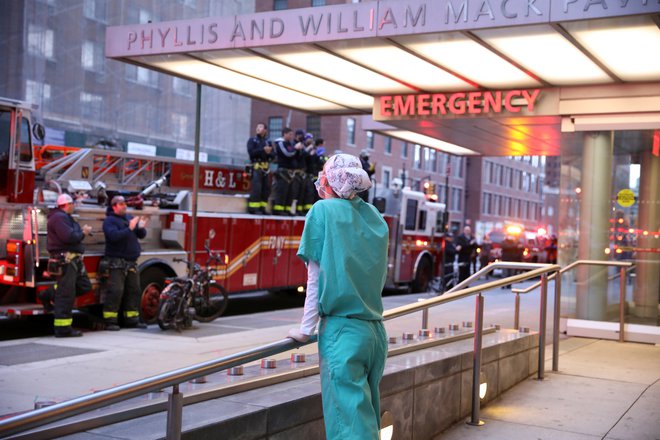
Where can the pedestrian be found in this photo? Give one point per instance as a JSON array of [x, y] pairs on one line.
[[465, 246], [344, 244], [551, 250], [65, 247], [260, 150], [512, 250], [122, 249], [484, 252], [448, 274], [370, 169]]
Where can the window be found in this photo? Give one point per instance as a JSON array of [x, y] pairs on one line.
[[404, 150], [25, 148], [318, 3], [370, 140], [411, 215], [37, 92], [141, 75], [417, 157], [388, 145], [275, 127], [459, 165], [182, 86], [485, 204], [179, 125], [278, 5], [386, 176], [493, 174], [421, 225], [432, 160], [456, 199], [145, 16], [95, 9], [91, 106], [350, 131], [314, 125], [91, 56], [40, 41]]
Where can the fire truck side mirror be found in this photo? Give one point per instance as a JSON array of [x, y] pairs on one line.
[[379, 203], [38, 131]]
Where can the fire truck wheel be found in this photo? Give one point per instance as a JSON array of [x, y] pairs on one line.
[[151, 281], [209, 306], [422, 276]]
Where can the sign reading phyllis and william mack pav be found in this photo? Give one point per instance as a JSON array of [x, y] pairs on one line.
[[349, 21]]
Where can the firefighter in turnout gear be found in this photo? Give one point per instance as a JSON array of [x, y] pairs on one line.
[[64, 243], [261, 154], [290, 169], [122, 250]]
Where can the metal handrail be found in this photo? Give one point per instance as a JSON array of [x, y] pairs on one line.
[[172, 379], [623, 265]]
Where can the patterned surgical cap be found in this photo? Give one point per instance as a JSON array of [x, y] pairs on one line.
[[346, 176]]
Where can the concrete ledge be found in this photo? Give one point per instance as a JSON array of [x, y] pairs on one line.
[[426, 391], [610, 330]]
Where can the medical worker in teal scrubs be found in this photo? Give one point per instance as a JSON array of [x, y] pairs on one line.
[[344, 244]]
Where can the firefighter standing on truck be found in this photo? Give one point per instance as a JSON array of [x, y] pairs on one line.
[[122, 250], [64, 243], [261, 155], [287, 182]]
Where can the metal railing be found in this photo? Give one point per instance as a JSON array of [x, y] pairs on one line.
[[623, 265], [70, 408]]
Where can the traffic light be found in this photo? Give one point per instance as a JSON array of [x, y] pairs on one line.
[[429, 191]]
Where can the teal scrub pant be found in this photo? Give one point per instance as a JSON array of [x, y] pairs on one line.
[[352, 359]]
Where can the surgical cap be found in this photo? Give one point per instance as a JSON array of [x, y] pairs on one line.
[[346, 176]]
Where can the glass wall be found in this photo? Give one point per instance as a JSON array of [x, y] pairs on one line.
[[610, 210]]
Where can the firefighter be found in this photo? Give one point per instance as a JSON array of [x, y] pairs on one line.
[[370, 168], [344, 244], [64, 244], [465, 246], [316, 160], [308, 193], [261, 154], [290, 166], [122, 250]]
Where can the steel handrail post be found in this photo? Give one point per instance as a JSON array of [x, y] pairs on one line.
[[425, 318], [476, 360], [542, 321], [516, 313], [622, 301], [174, 414], [555, 323]]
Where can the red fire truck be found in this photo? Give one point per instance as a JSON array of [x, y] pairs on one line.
[[259, 251]]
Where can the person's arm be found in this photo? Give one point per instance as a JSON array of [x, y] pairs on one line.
[[310, 312]]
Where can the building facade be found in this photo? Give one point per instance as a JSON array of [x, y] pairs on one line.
[[53, 57]]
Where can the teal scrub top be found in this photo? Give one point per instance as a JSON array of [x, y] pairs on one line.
[[348, 239]]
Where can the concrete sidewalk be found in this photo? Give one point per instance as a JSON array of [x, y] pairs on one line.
[[603, 390]]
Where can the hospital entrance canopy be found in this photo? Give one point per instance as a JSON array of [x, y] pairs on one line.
[[492, 77]]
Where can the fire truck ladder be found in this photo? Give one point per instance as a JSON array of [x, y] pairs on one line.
[[115, 169]]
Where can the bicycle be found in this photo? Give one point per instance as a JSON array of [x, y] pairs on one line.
[[195, 297]]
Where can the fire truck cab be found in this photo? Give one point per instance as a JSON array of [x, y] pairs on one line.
[[417, 227]]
